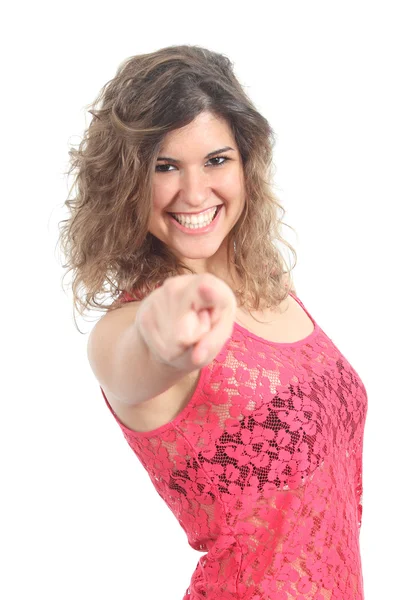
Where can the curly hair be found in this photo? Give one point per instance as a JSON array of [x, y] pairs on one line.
[[105, 240]]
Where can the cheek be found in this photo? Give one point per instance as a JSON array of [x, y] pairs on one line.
[[232, 186], [162, 194]]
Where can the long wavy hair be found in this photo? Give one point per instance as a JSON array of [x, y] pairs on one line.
[[105, 240]]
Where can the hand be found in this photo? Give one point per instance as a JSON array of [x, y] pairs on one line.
[[187, 320]]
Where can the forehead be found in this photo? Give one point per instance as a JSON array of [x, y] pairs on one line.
[[205, 128]]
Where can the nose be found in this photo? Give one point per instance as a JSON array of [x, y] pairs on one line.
[[195, 188]]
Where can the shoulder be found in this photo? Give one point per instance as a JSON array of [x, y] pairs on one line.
[[105, 335]]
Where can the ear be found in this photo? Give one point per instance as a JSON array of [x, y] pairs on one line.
[[286, 282]]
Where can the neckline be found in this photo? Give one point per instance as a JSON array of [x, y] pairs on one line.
[[249, 333], [308, 338]]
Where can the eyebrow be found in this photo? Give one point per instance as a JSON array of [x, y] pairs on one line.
[[210, 155]]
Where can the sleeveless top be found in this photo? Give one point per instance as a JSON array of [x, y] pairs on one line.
[[263, 470]]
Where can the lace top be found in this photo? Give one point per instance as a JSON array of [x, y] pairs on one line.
[[263, 470]]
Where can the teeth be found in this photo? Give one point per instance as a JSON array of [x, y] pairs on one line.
[[196, 221]]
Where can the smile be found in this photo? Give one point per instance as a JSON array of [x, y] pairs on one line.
[[195, 224], [198, 220]]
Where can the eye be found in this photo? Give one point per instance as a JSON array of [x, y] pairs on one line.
[[164, 168], [223, 158]]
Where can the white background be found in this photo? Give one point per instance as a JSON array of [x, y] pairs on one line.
[[79, 517]]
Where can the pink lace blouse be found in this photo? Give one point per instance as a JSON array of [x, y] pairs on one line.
[[263, 470]]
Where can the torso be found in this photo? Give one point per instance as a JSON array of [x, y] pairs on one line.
[[288, 323]]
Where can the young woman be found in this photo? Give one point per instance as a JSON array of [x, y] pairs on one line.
[[247, 417]]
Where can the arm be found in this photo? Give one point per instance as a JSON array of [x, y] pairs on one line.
[[122, 362]]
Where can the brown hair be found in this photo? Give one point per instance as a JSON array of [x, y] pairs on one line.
[[105, 240]]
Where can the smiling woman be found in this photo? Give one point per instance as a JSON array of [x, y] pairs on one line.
[[173, 132], [246, 416]]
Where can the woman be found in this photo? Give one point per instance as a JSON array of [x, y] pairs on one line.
[[246, 416]]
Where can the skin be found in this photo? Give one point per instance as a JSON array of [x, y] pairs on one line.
[[194, 184]]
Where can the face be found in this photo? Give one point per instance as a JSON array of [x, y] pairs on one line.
[[198, 179]]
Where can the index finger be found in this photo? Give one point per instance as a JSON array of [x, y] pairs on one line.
[[211, 294]]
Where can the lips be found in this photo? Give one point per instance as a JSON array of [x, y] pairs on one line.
[[196, 231], [189, 214]]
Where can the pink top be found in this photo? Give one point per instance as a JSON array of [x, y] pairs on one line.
[[263, 470]]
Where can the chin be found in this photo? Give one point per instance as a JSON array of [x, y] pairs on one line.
[[196, 253]]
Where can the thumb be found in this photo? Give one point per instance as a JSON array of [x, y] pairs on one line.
[[204, 319], [193, 326]]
